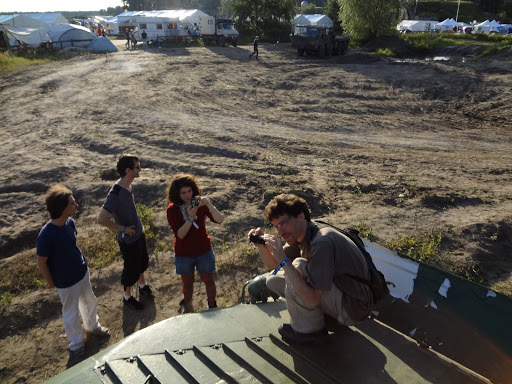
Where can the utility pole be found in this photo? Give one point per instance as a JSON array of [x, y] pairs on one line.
[[457, 17]]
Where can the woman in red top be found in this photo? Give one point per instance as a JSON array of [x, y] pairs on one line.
[[186, 214]]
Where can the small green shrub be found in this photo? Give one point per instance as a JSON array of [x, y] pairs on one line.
[[365, 231], [148, 220], [99, 247], [423, 248], [386, 52], [5, 299]]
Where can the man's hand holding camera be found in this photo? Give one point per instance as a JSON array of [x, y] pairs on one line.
[[269, 246]]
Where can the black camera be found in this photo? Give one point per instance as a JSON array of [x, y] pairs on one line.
[[256, 239], [195, 201]]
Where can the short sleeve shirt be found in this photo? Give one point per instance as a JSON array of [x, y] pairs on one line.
[[65, 260], [120, 203], [332, 255]]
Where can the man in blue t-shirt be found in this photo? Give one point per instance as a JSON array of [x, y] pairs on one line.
[[64, 267], [119, 214]]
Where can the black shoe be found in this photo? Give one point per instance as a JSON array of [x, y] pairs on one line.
[[290, 335], [133, 303], [146, 291], [186, 307], [213, 305]]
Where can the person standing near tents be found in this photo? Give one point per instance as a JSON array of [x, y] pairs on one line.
[[127, 35], [144, 36], [133, 39], [255, 46]]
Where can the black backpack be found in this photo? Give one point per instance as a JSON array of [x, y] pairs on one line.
[[377, 282]]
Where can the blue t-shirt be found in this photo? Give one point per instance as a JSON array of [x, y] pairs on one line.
[[66, 262]]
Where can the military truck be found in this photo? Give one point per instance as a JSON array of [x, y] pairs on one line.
[[219, 30], [318, 41]]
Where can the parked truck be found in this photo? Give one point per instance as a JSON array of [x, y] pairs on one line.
[[219, 30], [318, 41]]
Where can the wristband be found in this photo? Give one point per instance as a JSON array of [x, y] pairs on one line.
[[281, 265], [193, 223]]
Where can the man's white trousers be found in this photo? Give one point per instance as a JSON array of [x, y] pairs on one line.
[[78, 300]]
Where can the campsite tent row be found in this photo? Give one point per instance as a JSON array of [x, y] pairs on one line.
[[449, 25], [156, 23]]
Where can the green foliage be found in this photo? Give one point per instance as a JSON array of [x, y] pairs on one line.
[[365, 231], [332, 9], [5, 299], [368, 19], [148, 220], [99, 247], [425, 42], [422, 248], [269, 19], [386, 52]]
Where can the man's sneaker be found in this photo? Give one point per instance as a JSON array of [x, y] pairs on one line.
[[131, 302], [212, 305], [290, 335], [77, 353], [146, 291], [186, 307], [100, 331]]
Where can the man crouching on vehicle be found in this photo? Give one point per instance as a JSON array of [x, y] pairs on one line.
[[314, 261]]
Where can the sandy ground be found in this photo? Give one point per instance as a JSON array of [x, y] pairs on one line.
[[405, 148]]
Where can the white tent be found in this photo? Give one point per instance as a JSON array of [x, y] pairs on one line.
[[59, 35], [489, 27], [49, 18], [321, 21], [447, 25], [300, 20], [19, 20], [416, 25]]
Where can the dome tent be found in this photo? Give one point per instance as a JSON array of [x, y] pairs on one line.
[[59, 35]]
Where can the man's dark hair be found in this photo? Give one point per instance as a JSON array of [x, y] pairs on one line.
[[57, 199], [179, 181], [287, 204], [126, 161]]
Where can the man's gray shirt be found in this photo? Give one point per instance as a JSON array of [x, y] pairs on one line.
[[120, 203]]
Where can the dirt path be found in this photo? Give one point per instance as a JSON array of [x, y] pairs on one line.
[[403, 148]]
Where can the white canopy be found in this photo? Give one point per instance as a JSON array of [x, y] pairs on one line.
[[321, 21], [19, 20], [61, 35], [447, 25], [48, 18], [489, 26], [300, 20], [416, 25]]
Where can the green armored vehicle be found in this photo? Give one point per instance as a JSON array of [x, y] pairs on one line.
[[318, 41]]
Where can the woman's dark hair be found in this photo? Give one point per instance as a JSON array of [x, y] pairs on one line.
[[287, 204], [179, 181], [126, 161], [57, 199]]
